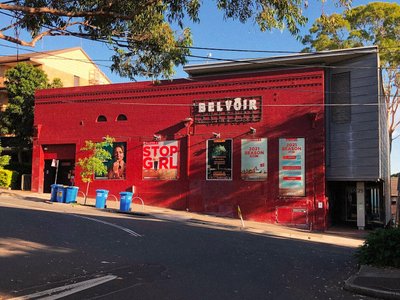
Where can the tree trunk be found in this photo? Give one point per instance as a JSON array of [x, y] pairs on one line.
[[87, 191]]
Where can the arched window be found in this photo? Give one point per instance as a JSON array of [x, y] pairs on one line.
[[122, 117], [101, 118]]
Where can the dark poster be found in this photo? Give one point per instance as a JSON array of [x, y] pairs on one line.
[[219, 159]]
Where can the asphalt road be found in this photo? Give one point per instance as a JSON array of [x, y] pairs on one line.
[[85, 255]]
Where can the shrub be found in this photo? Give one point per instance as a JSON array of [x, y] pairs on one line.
[[381, 248], [6, 177], [18, 169]]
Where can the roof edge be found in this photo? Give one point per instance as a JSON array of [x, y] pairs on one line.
[[274, 61]]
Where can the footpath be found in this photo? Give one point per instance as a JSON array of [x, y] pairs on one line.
[[383, 283]]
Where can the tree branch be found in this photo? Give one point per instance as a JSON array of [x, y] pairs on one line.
[[63, 13], [15, 40]]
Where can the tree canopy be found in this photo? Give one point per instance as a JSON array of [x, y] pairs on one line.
[[149, 37], [21, 83], [376, 23]]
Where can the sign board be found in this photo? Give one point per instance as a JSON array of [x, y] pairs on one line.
[[219, 159], [54, 163], [291, 167], [116, 166], [227, 110], [160, 160], [254, 159]]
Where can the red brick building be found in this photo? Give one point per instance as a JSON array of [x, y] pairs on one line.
[[232, 135]]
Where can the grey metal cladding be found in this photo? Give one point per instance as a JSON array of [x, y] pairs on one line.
[[353, 117]]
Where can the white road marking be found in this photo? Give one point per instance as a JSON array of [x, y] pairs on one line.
[[131, 232], [67, 290], [127, 230]]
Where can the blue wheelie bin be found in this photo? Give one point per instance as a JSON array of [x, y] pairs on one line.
[[61, 194], [71, 194], [54, 188], [101, 197], [125, 201]]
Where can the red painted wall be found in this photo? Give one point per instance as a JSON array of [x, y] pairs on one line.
[[292, 107]]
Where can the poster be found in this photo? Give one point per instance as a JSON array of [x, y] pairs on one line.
[[116, 166], [219, 159], [254, 159], [291, 167], [160, 160]]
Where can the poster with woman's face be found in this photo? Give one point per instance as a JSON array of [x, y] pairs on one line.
[[219, 159], [116, 166]]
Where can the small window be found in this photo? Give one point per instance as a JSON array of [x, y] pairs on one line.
[[77, 80], [101, 118], [122, 117], [341, 98]]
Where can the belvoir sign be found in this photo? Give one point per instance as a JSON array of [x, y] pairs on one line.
[[227, 110]]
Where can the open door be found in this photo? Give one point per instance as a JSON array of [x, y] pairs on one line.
[[64, 172]]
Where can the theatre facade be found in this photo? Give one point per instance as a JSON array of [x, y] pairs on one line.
[[296, 140]]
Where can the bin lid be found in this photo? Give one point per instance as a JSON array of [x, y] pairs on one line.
[[101, 191], [73, 187], [125, 193]]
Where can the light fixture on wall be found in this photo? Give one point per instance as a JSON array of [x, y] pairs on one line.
[[252, 130], [156, 137], [187, 121], [216, 135]]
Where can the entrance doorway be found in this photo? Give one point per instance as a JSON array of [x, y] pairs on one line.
[[65, 171], [343, 203]]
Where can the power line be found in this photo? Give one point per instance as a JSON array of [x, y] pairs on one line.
[[239, 61], [184, 47], [246, 61], [200, 48], [280, 64], [55, 56], [269, 51]]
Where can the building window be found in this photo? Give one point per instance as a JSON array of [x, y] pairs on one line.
[[76, 80], [122, 117], [341, 98], [101, 118]]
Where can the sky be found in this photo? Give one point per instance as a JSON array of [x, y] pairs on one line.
[[212, 32]]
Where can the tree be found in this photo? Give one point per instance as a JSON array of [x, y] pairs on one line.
[[376, 23], [93, 162], [141, 32], [17, 120]]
